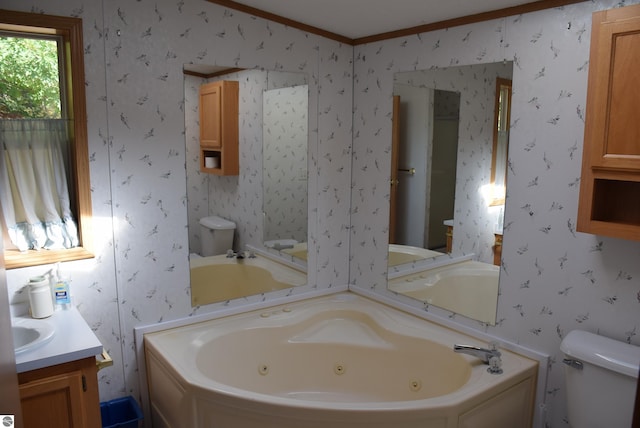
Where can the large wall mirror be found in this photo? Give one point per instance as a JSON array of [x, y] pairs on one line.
[[445, 164], [267, 201]]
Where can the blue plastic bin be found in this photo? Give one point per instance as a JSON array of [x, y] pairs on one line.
[[122, 413]]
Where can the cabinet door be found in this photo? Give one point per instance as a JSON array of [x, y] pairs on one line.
[[210, 116], [612, 129], [219, 127], [65, 396], [53, 402]]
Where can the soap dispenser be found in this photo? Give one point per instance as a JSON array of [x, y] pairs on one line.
[[61, 291]]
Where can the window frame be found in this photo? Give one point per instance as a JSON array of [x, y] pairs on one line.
[[501, 110], [71, 31]]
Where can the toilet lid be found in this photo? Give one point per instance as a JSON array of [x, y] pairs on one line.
[[602, 351], [217, 223]]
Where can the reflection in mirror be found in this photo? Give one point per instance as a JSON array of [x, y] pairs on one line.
[[425, 176], [500, 152], [239, 203], [442, 174], [285, 131]]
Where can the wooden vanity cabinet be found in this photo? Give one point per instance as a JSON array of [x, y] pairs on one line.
[[219, 127], [610, 183], [64, 395]]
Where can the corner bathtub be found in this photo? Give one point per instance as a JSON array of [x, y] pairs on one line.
[[338, 361], [469, 288]]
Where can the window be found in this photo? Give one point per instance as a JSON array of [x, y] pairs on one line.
[[64, 35]]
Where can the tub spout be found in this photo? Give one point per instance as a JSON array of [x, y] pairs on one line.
[[239, 256], [488, 356]]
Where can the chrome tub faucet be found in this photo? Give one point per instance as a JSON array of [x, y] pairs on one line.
[[488, 356]]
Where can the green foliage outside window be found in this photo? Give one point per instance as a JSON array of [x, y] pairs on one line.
[[29, 78]]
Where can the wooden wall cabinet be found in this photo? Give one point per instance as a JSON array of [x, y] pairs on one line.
[[219, 127], [64, 395], [610, 184]]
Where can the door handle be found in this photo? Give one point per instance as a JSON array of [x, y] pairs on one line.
[[411, 171]]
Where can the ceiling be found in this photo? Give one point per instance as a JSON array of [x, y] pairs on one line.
[[352, 20]]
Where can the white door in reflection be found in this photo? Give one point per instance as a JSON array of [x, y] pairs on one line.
[[427, 154]]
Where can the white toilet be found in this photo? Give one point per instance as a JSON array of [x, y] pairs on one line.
[[216, 235], [601, 376]]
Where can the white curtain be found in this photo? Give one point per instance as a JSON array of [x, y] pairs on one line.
[[33, 189]]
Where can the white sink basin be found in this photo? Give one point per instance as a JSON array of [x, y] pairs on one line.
[[30, 333]]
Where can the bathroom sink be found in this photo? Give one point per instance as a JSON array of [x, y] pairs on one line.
[[30, 333]]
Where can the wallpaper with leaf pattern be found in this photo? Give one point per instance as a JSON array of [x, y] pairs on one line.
[[285, 163]]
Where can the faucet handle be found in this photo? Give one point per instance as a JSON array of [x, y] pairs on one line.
[[493, 346], [495, 364], [230, 254]]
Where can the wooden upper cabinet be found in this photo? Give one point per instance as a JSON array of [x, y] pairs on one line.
[[613, 128], [219, 127], [610, 184], [210, 115]]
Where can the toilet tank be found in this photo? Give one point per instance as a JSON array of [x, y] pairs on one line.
[[600, 377], [216, 235]]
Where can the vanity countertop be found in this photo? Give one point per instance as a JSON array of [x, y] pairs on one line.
[[72, 340]]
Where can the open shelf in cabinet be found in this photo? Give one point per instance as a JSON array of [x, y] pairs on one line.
[[616, 201], [211, 161]]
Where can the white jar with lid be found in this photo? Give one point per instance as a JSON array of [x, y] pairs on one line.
[[40, 297]]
